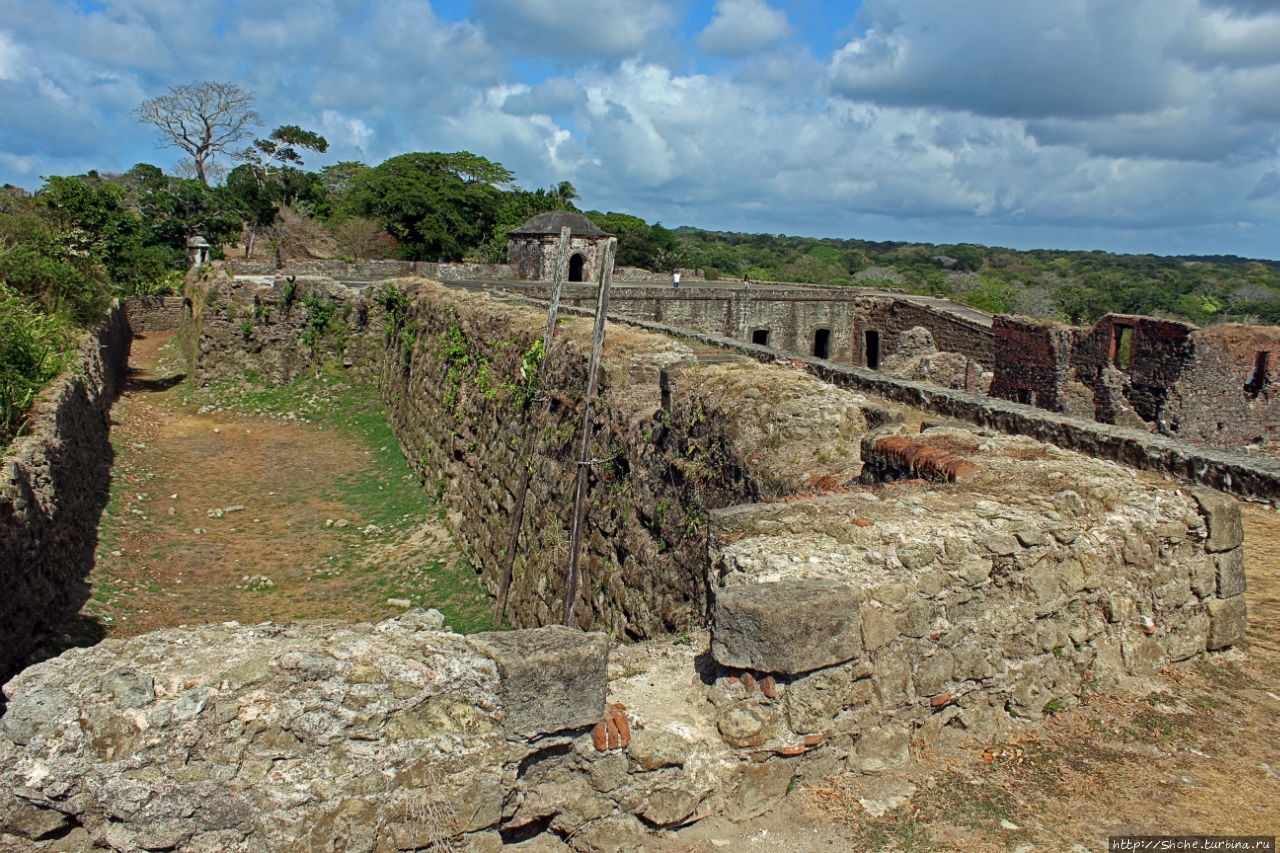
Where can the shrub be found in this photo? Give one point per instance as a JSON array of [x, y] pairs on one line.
[[33, 349]]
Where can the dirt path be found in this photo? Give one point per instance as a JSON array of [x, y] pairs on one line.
[[217, 514]]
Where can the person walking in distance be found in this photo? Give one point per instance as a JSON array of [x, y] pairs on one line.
[[675, 280]]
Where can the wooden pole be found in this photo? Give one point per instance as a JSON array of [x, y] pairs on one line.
[[530, 432], [588, 414]]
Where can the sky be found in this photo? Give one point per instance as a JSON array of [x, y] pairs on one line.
[[1121, 125]]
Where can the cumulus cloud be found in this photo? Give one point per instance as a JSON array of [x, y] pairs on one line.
[[742, 27], [552, 96], [1009, 58], [573, 29], [345, 131], [1076, 122]]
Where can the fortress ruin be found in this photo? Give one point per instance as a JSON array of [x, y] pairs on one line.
[[867, 586]]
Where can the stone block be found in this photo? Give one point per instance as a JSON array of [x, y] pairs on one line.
[[1143, 656], [1189, 639], [812, 701], [552, 678], [741, 727], [654, 748], [1228, 619], [1230, 571], [880, 748], [934, 673], [787, 627], [760, 787], [616, 832], [1222, 516]]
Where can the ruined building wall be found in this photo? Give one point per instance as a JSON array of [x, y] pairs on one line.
[[1211, 385], [52, 489], [1032, 362], [792, 318], [890, 317], [1157, 351], [1226, 392]]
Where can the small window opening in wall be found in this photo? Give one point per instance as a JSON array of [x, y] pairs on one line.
[[1122, 347], [822, 343], [577, 264], [872, 350], [761, 337], [1026, 396], [1258, 376]]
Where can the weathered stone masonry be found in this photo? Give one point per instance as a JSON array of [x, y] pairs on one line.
[[847, 620], [1213, 385], [52, 489]]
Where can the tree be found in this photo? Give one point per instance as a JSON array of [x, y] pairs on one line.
[[203, 119], [435, 205], [273, 157]]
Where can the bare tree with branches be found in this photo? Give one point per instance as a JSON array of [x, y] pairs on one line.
[[202, 119]]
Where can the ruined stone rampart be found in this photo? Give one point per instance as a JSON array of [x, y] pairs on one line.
[[673, 438], [52, 488], [1247, 475], [847, 626], [848, 619]]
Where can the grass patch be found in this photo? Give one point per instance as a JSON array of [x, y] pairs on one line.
[[378, 556]]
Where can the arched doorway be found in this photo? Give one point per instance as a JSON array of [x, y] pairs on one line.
[[576, 265]]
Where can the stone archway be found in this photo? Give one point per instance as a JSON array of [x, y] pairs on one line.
[[577, 267]]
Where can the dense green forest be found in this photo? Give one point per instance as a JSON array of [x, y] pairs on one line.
[[69, 247]]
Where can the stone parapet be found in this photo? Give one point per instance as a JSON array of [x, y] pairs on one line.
[[52, 484]]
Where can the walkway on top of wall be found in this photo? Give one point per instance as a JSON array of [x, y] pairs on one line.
[[1237, 473]]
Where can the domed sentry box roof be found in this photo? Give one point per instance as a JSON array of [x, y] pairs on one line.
[[553, 220], [532, 247]]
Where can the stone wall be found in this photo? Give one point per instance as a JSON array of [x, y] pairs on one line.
[[891, 317], [52, 489], [674, 440], [155, 313], [1238, 473], [1020, 576], [849, 623], [792, 319], [1032, 362], [375, 270]]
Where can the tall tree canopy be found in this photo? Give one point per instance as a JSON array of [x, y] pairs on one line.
[[203, 119], [435, 205]]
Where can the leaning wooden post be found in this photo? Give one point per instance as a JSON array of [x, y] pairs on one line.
[[530, 434], [588, 414]]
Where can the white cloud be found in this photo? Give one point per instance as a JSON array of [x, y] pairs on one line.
[[1072, 58], [983, 119], [742, 27], [573, 29], [345, 131]]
